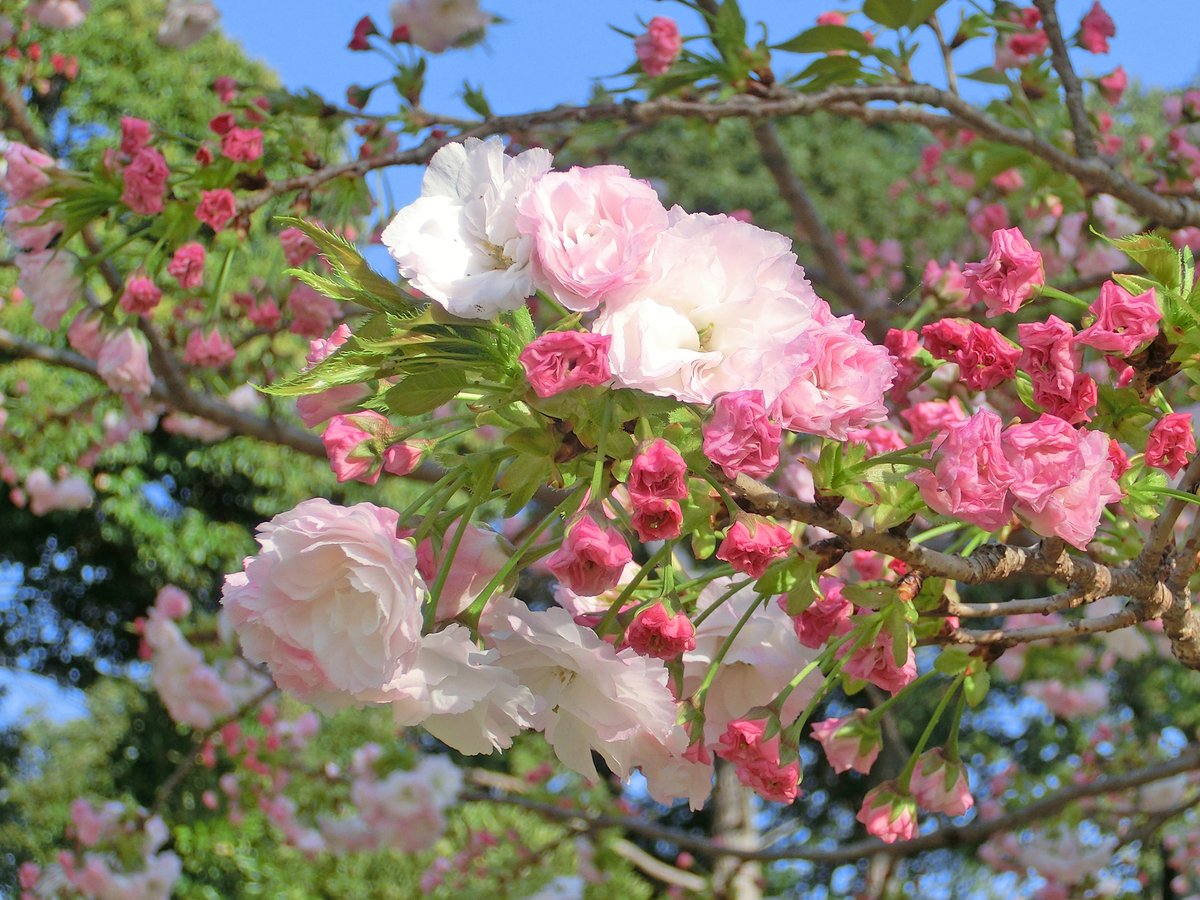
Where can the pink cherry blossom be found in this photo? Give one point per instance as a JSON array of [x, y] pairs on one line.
[[1063, 477], [25, 171], [828, 615], [437, 25], [741, 437], [135, 134], [839, 383], [888, 814], [351, 446], [313, 314], [658, 46], [1010, 275], [187, 265], [145, 180], [592, 230], [985, 359], [481, 554], [124, 363], [560, 360], [1095, 29], [940, 786], [242, 144], [331, 603], [298, 247], [849, 743], [876, 663], [1123, 321], [752, 543], [654, 519], [658, 472], [591, 558], [1050, 358], [658, 633], [141, 295], [971, 476], [208, 350], [216, 208], [1171, 442], [932, 417], [48, 279], [1112, 86]]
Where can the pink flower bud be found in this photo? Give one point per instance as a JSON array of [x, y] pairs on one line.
[[654, 519], [1095, 29], [135, 134], [145, 180], [351, 447], [940, 786], [140, 296], [658, 47], [1170, 443], [983, 356], [210, 351], [124, 363], [828, 615], [242, 144], [658, 472], [1112, 86], [888, 814], [850, 742], [187, 266]]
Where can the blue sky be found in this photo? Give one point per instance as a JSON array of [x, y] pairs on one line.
[[550, 51]]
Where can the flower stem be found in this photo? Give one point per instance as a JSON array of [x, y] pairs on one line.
[[906, 775]]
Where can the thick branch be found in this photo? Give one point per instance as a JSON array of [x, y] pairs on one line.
[[1081, 125], [951, 836], [811, 226]]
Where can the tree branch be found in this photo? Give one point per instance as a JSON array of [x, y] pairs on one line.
[[970, 834], [1081, 124]]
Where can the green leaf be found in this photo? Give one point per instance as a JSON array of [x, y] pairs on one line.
[[976, 686], [923, 10], [426, 391], [476, 101], [729, 29], [898, 627], [349, 266], [1155, 254], [824, 38], [889, 13], [521, 480], [829, 70], [1143, 487], [952, 661], [987, 75]]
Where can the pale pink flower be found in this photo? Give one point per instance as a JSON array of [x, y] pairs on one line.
[[940, 786], [49, 282], [1123, 322], [124, 363], [314, 409], [172, 602], [1170, 443], [591, 558], [932, 417], [591, 697], [971, 477], [1011, 274], [298, 247], [84, 333], [58, 13], [947, 284], [719, 313], [839, 383], [459, 694], [657, 48], [46, 495], [592, 231], [25, 172], [740, 437], [889, 814], [1090, 698], [192, 691], [1063, 477], [332, 603], [1049, 356], [212, 350], [561, 360], [185, 22], [459, 243], [23, 229], [852, 742], [437, 25]]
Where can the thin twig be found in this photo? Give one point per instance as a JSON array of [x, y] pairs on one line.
[[1081, 125]]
